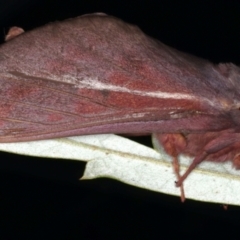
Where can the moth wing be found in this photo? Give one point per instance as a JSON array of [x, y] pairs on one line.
[[97, 74]]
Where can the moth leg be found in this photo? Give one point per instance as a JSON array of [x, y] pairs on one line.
[[174, 144], [236, 161], [197, 160], [216, 147], [176, 170]]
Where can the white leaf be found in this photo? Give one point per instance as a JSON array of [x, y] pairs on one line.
[[132, 163]]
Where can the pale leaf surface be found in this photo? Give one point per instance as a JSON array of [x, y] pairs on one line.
[[127, 161]]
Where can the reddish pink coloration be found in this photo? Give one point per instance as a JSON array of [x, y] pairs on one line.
[[13, 32], [98, 74]]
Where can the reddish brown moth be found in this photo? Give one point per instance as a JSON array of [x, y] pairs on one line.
[[97, 74]]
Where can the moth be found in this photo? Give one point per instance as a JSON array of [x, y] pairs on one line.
[[97, 74]]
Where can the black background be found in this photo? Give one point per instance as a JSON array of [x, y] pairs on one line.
[[43, 199]]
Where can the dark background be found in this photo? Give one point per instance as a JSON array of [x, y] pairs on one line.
[[43, 199]]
